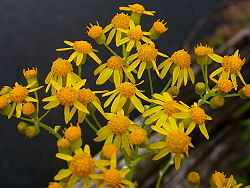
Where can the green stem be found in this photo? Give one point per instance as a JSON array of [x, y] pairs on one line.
[[37, 104], [96, 121], [112, 51], [44, 115], [90, 124], [80, 70], [204, 73], [161, 174], [150, 82], [232, 95], [25, 119], [166, 86], [49, 129]]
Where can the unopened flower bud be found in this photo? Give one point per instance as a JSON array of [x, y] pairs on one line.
[[31, 77], [157, 29], [193, 178], [245, 92], [200, 88], [32, 131], [217, 102], [21, 126], [201, 53]]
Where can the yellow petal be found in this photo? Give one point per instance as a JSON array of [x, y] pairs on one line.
[[63, 173], [72, 181], [177, 160], [191, 74], [110, 99], [111, 36], [52, 104], [152, 111], [117, 140], [64, 156], [161, 154], [118, 38], [114, 106], [157, 145], [66, 114], [107, 28], [190, 127], [95, 57], [141, 69], [100, 68], [203, 130], [117, 79], [72, 56], [81, 107], [216, 72], [159, 130], [125, 144], [104, 76], [216, 57], [175, 75], [133, 65], [137, 103], [130, 45]]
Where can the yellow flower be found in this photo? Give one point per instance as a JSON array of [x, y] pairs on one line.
[[124, 92], [60, 70], [3, 102], [164, 109], [181, 61], [116, 131], [30, 73], [177, 141], [230, 67], [112, 177], [54, 185], [201, 50], [137, 136], [193, 178], [81, 167], [28, 109], [119, 21], [134, 36], [196, 114], [81, 50], [219, 179], [67, 96], [108, 150], [115, 66], [146, 56], [19, 95], [96, 32], [223, 85], [137, 8], [246, 90]]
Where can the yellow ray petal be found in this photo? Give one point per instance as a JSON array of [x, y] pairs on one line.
[[216, 57], [111, 36], [177, 160], [133, 65], [125, 144], [203, 130], [81, 107], [152, 111], [141, 69], [157, 145], [104, 76], [64, 156], [130, 45], [191, 74], [117, 140], [63, 173], [137, 103], [161, 154], [190, 127], [100, 69], [95, 57], [72, 56], [175, 75], [52, 104], [107, 28]]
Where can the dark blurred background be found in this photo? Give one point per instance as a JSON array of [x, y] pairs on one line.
[[30, 31]]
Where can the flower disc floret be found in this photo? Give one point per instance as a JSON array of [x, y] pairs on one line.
[[112, 178], [67, 96], [63, 143], [83, 47], [225, 85], [159, 27], [115, 63], [61, 67], [246, 90], [82, 165], [137, 136], [147, 52], [121, 21], [94, 31], [218, 176], [135, 33], [72, 133], [137, 8], [54, 185], [85, 96], [3, 102], [169, 108], [28, 109], [30, 73], [198, 115], [181, 58], [178, 142], [193, 178], [18, 94], [232, 63], [127, 89], [202, 50], [119, 124], [108, 150]]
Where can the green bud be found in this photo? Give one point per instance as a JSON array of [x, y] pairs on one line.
[[136, 17], [203, 60], [32, 131], [101, 39], [76, 144], [200, 88], [217, 102], [21, 126]]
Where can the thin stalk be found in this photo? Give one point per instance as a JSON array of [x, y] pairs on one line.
[[96, 121], [112, 51], [90, 124], [161, 174], [80, 70], [44, 115], [25, 119], [166, 86], [37, 104], [150, 82], [49, 129]]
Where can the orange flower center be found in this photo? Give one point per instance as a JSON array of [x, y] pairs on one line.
[[28, 109], [178, 142], [82, 47], [121, 21], [169, 108], [61, 67], [115, 63], [82, 165], [85, 96], [218, 178], [193, 178], [108, 150], [95, 31], [63, 143], [181, 58], [137, 136], [198, 115], [135, 33], [225, 86], [202, 50], [112, 178], [72, 133], [159, 27], [147, 52], [119, 124], [3, 102], [67, 96], [137, 8], [54, 185], [127, 89], [18, 94], [32, 73], [246, 90], [232, 63]]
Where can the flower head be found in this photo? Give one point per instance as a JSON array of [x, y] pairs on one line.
[[108, 150], [72, 133], [28, 109], [94, 31], [193, 178], [181, 62], [54, 185], [81, 50], [30, 73], [137, 8], [137, 136], [246, 90], [201, 50], [3, 102]]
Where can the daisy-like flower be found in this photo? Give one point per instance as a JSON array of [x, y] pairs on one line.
[[28, 109], [224, 86], [134, 36], [60, 69], [81, 167], [19, 95], [165, 108], [196, 114], [220, 181], [81, 50], [146, 56], [123, 92], [177, 141], [116, 131], [181, 61], [119, 21], [67, 96], [230, 69], [115, 66], [89, 100], [158, 28], [112, 177]]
